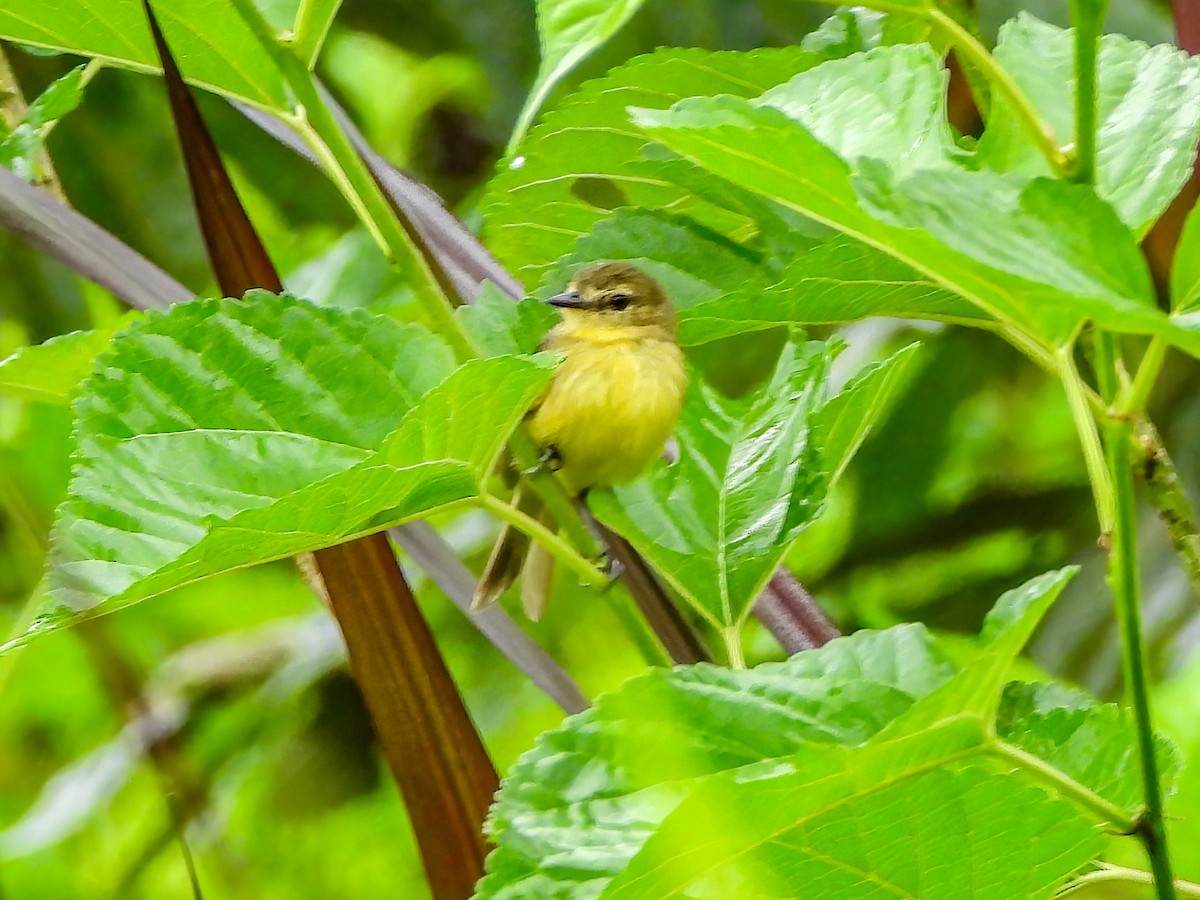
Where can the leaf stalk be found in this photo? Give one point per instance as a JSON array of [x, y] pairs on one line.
[[561, 550], [1117, 817]]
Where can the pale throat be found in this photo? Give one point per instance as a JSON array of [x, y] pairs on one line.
[[595, 330]]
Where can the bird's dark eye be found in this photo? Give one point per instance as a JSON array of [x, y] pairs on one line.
[[618, 301]]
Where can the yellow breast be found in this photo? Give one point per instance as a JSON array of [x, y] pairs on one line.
[[611, 405]]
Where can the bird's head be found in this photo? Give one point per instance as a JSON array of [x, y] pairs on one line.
[[616, 295]]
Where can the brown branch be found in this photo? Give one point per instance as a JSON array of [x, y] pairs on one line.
[[434, 751]]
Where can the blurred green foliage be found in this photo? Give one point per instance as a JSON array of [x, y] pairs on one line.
[[236, 687]]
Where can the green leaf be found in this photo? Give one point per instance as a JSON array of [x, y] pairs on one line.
[[847, 419], [224, 433], [722, 288], [904, 819], [842, 280], [1185, 273], [313, 20], [888, 103], [569, 30], [799, 779], [1067, 729], [574, 810], [499, 327], [1148, 114], [748, 480], [847, 31], [20, 147], [760, 149], [853, 819], [52, 372], [1046, 230], [583, 161], [215, 47]]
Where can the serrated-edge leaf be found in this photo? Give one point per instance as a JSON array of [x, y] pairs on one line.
[[220, 52], [536, 206], [1148, 114]]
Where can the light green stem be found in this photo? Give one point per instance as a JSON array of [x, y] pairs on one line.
[[1110, 873], [1125, 584], [1134, 399], [1119, 819], [732, 636], [1089, 439], [560, 549], [306, 38], [320, 130], [1088, 17], [976, 54], [1123, 573]]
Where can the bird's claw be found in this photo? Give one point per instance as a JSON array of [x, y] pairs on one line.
[[612, 569], [549, 461]]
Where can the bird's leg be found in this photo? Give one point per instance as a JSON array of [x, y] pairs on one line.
[[549, 461], [608, 564]]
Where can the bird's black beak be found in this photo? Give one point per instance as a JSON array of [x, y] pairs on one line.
[[568, 300]]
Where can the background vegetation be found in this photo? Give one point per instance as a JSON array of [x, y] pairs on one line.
[[238, 687]]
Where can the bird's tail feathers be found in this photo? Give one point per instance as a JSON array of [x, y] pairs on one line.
[[538, 577], [508, 554]]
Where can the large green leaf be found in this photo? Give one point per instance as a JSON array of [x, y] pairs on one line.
[[842, 773], [1148, 114], [722, 288], [226, 433], [574, 810], [902, 815], [841, 280], [215, 47], [908, 818], [749, 478], [569, 30], [759, 148], [888, 103], [583, 160]]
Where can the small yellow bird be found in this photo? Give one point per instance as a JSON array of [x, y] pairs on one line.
[[608, 411]]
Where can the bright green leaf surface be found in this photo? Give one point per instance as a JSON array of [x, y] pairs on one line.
[[842, 280], [888, 103], [569, 30], [575, 809], [20, 147], [1148, 114], [215, 48], [226, 433], [584, 160], [499, 327], [1067, 729], [841, 773], [760, 149], [903, 819], [846, 420], [722, 288], [51, 372], [749, 478]]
